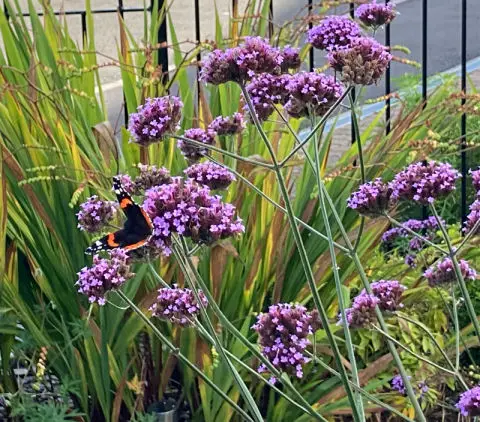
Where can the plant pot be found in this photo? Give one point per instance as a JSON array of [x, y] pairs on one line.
[[165, 410]]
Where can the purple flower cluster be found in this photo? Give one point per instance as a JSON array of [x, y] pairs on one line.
[[265, 90], [210, 174], [193, 152], [389, 294], [104, 275], [311, 94], [476, 180], [469, 402], [149, 176], [362, 313], [155, 119], [229, 125], [333, 33], [241, 63], [398, 385], [95, 214], [187, 208], [424, 183], [177, 305], [283, 332], [390, 239], [290, 59], [375, 15], [372, 198], [363, 62], [473, 217], [444, 272]]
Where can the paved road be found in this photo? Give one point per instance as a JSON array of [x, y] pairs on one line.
[[443, 32]]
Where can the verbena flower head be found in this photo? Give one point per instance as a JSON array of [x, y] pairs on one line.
[[265, 90], [290, 59], [104, 275], [241, 63], [311, 94], [443, 272], [155, 120], [147, 253], [473, 217], [372, 198], [193, 152], [210, 174], [389, 294], [363, 62], [333, 33], [188, 209], [476, 180], [362, 313], [150, 176], [229, 125], [398, 385], [424, 183], [469, 402], [95, 214], [375, 15], [179, 306], [283, 332]]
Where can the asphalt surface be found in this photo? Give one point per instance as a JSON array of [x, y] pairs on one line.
[[444, 32]]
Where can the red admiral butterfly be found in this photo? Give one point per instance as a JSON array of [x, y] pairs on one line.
[[136, 231]]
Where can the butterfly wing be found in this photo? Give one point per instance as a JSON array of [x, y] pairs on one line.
[[136, 230]]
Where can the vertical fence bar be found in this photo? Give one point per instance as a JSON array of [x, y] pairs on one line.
[[162, 39], [235, 21], [310, 26], [387, 81], [424, 49], [353, 93], [125, 110], [463, 121], [83, 17], [270, 20], [424, 70], [196, 6]]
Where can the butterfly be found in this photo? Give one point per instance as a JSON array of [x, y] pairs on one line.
[[136, 231]]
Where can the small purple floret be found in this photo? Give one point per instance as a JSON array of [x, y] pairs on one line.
[[333, 33], [469, 402], [95, 214], [389, 294], [372, 198], [210, 174], [311, 94], [362, 313], [443, 272], [375, 15], [424, 183], [193, 152], [283, 335], [155, 120], [473, 217], [290, 59], [179, 306], [104, 275], [229, 125]]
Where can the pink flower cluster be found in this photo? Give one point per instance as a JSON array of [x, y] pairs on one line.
[[95, 214], [210, 174]]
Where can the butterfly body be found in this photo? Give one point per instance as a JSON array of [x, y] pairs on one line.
[[136, 231]]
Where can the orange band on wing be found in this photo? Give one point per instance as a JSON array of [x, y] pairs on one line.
[[135, 245], [111, 241], [149, 220], [125, 202]]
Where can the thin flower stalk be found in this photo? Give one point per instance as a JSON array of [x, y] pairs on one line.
[[319, 124], [218, 345], [237, 334], [336, 276], [175, 351], [411, 352], [458, 273], [457, 329], [467, 237], [222, 151], [303, 255], [363, 277], [277, 205]]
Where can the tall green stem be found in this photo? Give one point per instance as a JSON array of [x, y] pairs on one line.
[[175, 351], [303, 255], [338, 283], [218, 345]]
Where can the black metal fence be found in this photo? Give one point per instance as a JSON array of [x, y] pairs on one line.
[[163, 59]]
